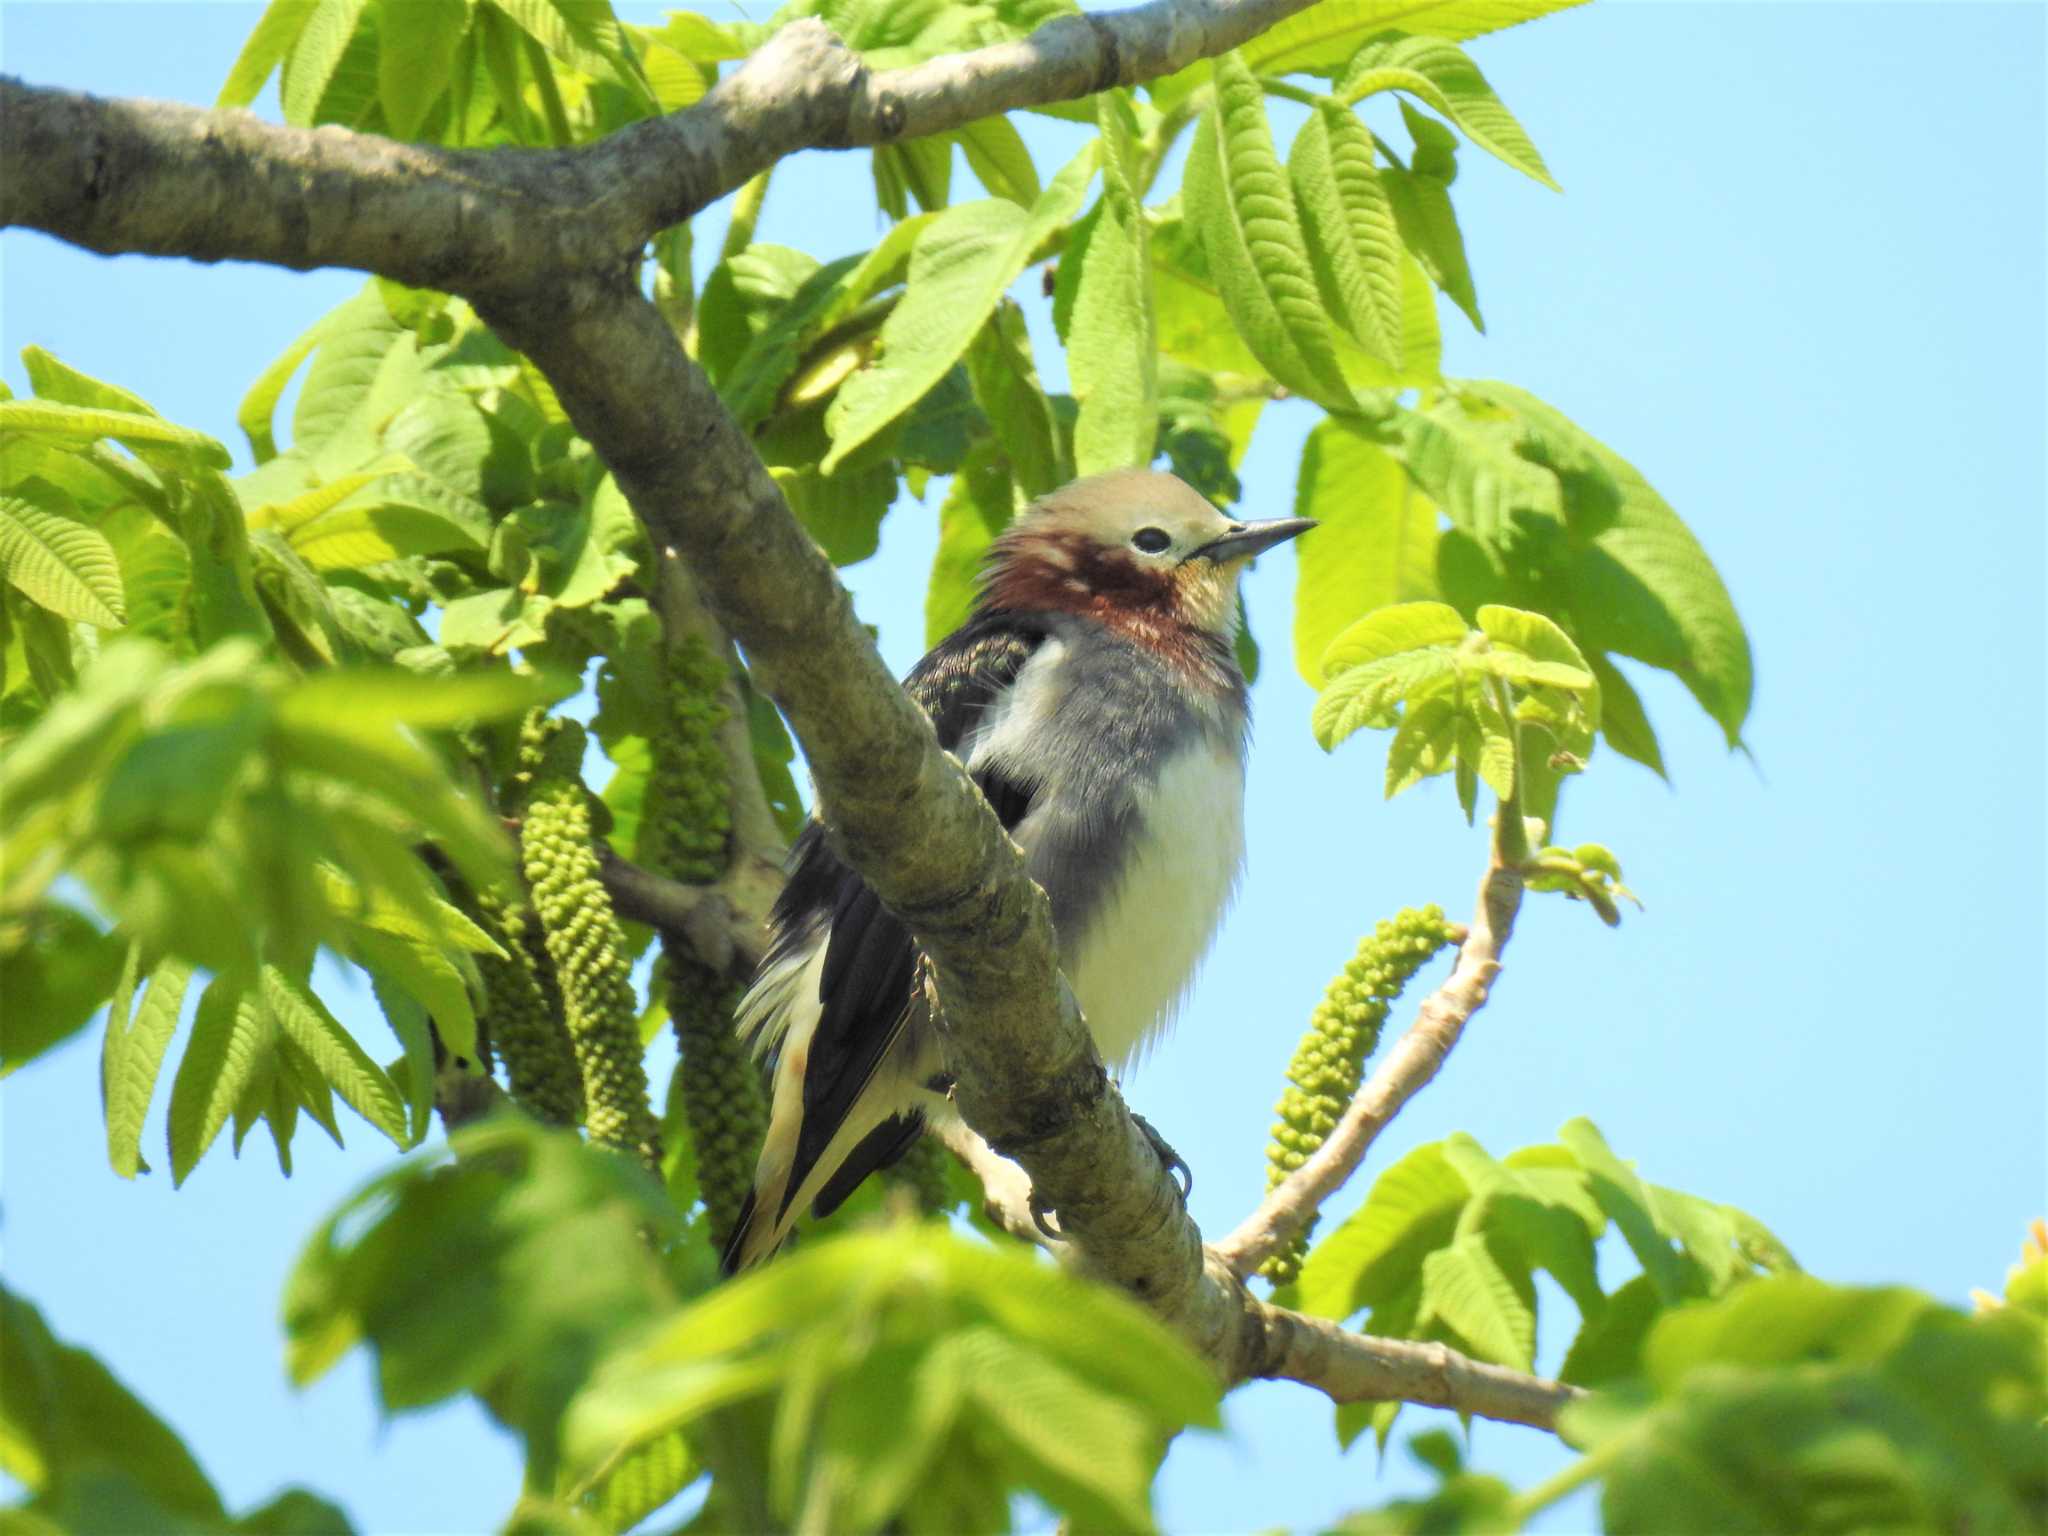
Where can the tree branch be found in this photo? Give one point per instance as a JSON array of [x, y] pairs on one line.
[[545, 244], [172, 180], [1417, 1057]]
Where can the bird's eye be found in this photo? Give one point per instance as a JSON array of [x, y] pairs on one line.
[[1151, 540]]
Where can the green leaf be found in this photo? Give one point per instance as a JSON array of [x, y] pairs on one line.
[[978, 506], [59, 562], [997, 155], [231, 1040], [1622, 1195], [416, 52], [508, 1271], [56, 968], [133, 1055], [1005, 384], [959, 267], [1644, 587], [316, 56], [53, 379], [1112, 342], [1320, 39], [1421, 197], [67, 1424], [1353, 241], [1622, 718], [271, 40], [345, 1065], [1441, 75], [1551, 658], [1790, 1405], [1389, 654], [1465, 1287], [129, 428], [584, 35], [295, 1512], [1374, 543], [1379, 1250], [1426, 742], [1239, 199]]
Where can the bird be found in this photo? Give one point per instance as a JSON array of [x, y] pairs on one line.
[[1095, 697]]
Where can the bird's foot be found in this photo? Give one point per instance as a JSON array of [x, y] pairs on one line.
[[1174, 1163]]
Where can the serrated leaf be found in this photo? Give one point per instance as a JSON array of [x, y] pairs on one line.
[[229, 1046], [1393, 631], [1353, 240], [1442, 75], [1364, 697], [1239, 200], [1425, 744], [1378, 1251], [133, 1056], [1466, 1287], [59, 562], [959, 267], [1374, 543], [53, 379], [1112, 340], [345, 1065]]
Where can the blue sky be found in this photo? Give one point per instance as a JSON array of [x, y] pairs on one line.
[[1797, 277]]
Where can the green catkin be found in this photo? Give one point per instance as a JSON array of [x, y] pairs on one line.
[[583, 939], [523, 1017], [723, 1106], [688, 817], [1329, 1064]]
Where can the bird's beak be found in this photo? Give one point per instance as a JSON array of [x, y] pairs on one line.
[[1253, 538]]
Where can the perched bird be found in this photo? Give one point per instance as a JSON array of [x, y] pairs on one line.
[[1095, 697]]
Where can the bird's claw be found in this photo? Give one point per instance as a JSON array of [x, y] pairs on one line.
[[1039, 1214], [1174, 1163]]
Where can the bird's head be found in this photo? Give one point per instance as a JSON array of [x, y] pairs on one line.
[[1140, 551]]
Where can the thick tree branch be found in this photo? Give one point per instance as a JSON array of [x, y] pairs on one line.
[[545, 244], [1291, 1205], [172, 180]]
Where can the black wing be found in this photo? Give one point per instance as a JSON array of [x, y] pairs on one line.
[[870, 961]]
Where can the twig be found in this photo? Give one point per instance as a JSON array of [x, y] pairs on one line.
[[1361, 1367], [1420, 1053]]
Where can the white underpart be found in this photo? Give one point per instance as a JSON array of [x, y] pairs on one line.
[[1143, 946], [1145, 941]]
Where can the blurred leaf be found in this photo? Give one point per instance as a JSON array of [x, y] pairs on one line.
[[65, 1420], [893, 1355], [266, 47], [1791, 1405], [507, 1271], [1320, 39], [56, 968]]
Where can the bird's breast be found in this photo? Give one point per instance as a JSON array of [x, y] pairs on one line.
[[1133, 956]]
